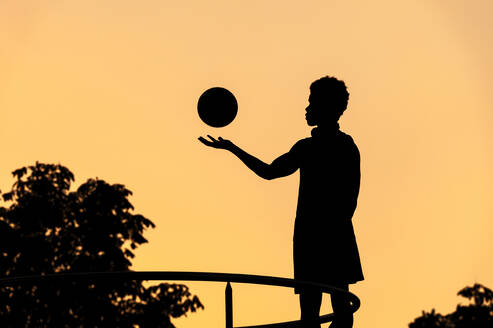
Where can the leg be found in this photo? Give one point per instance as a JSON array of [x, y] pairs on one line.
[[310, 302], [340, 306]]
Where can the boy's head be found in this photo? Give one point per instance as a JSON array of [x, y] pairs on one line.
[[328, 100]]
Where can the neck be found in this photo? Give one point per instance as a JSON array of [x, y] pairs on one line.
[[325, 130], [328, 126]]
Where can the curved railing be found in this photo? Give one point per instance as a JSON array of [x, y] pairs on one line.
[[201, 276]]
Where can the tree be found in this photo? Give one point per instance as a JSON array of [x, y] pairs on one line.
[[479, 314], [49, 229]]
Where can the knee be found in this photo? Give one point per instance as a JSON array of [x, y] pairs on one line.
[[343, 314], [340, 304]]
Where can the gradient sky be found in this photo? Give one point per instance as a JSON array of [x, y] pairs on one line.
[[109, 89]]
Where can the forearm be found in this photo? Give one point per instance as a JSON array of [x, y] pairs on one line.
[[282, 166], [260, 168]]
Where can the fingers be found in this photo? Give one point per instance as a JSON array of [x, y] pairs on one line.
[[216, 143], [205, 141], [212, 142]]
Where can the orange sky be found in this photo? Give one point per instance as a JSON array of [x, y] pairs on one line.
[[109, 89]]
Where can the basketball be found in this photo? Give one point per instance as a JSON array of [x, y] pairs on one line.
[[217, 107]]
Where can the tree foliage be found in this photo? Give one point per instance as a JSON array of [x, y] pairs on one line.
[[49, 229], [477, 314]]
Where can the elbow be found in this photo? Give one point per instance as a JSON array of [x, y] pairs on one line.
[[265, 175], [268, 175], [273, 173]]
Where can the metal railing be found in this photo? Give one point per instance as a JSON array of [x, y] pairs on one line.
[[201, 276]]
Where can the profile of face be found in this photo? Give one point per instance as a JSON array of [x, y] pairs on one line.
[[319, 111]]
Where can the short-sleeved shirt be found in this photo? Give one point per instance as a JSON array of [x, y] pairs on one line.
[[325, 248]]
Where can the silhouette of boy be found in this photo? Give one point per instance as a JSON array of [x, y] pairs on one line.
[[324, 244]]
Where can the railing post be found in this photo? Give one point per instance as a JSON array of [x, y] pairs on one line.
[[229, 305]]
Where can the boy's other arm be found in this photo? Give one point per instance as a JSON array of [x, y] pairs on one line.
[[282, 166]]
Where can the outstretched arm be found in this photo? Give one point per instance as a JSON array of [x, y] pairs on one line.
[[280, 167]]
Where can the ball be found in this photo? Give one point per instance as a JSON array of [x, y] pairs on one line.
[[217, 107]]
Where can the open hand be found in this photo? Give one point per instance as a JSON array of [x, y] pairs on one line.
[[218, 143]]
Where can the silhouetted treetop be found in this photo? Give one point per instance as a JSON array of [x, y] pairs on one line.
[[48, 229], [479, 294], [479, 314]]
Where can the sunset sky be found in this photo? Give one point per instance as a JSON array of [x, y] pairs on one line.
[[109, 89]]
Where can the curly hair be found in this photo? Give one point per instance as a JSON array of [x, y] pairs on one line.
[[333, 91]]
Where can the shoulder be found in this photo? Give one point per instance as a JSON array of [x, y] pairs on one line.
[[346, 139], [300, 148], [348, 142], [301, 144]]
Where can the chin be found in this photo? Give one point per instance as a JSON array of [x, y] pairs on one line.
[[311, 123]]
